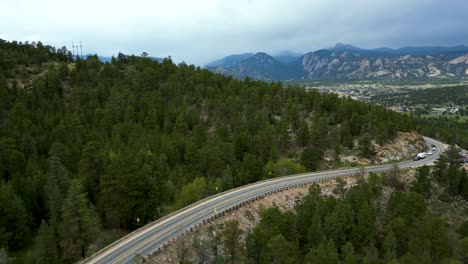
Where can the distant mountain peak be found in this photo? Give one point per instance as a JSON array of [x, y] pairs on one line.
[[344, 47], [263, 57], [230, 60], [261, 53]]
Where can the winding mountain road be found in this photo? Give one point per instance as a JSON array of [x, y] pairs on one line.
[[150, 238]]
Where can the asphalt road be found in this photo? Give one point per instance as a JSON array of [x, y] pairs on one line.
[[146, 240]]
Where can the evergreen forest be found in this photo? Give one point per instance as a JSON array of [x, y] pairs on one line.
[[90, 151]]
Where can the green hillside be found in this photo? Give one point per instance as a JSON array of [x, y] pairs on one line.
[[90, 151]]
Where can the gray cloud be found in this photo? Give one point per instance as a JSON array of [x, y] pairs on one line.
[[203, 30]]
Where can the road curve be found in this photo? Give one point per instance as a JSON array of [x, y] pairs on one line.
[[146, 240]]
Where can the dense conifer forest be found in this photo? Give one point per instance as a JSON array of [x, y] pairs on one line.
[[90, 150]]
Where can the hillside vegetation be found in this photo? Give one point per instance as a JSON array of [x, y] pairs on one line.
[[89, 150], [378, 221]]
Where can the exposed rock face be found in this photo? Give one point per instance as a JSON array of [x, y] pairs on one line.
[[355, 66], [405, 146], [460, 60]]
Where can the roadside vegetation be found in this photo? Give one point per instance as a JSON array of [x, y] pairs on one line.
[[382, 220], [90, 151]]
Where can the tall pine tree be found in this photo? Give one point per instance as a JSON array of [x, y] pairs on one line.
[[80, 224]]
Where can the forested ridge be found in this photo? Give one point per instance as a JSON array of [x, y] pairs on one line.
[[91, 150]]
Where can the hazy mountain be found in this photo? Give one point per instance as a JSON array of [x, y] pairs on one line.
[[287, 56], [230, 60], [461, 49], [344, 47], [384, 51], [347, 62], [259, 66]]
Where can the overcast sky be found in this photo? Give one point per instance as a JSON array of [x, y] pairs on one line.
[[199, 31]]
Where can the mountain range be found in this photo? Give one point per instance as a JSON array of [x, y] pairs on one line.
[[347, 62]]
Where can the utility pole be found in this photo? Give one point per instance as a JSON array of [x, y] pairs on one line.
[[73, 49], [81, 50]]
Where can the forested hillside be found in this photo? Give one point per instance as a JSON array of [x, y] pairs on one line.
[[89, 151], [378, 221]]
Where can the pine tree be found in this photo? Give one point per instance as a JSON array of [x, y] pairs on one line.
[[278, 250], [311, 158], [463, 188], [14, 230], [371, 254], [91, 167], [461, 250], [440, 168], [45, 246], [422, 185], [231, 239], [366, 147], [364, 229], [348, 255], [80, 224], [453, 180], [389, 247], [325, 253]]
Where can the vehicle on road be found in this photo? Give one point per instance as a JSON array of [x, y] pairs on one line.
[[429, 152], [420, 156]]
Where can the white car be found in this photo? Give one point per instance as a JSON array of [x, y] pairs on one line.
[[429, 153]]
